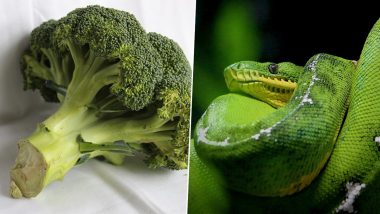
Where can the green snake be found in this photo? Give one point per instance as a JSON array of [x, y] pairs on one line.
[[305, 140]]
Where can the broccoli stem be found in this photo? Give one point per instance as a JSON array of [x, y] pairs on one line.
[[89, 76], [55, 87], [55, 147], [52, 150], [38, 70], [118, 147], [130, 130], [43, 157], [56, 67]]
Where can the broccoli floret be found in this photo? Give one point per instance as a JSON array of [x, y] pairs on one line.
[[122, 91]]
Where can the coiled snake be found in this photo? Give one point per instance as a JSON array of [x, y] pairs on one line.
[[309, 140]]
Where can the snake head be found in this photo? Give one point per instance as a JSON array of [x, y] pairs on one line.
[[269, 82]]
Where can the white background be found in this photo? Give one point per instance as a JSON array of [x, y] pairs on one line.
[[94, 187]]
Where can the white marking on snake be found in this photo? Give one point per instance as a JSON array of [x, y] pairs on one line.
[[314, 78], [353, 190], [306, 99], [202, 132], [377, 140], [256, 136]]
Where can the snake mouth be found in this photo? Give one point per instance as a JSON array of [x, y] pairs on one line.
[[274, 89], [270, 87], [237, 80]]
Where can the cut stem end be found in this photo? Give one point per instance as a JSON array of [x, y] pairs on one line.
[[28, 172]]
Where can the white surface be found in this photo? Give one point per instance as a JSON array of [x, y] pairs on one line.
[[94, 187]]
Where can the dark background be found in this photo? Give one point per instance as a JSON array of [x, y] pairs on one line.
[[276, 31]]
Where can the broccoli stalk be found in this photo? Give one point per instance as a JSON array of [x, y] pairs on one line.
[[122, 91]]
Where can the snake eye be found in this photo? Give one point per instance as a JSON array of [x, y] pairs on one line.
[[273, 68]]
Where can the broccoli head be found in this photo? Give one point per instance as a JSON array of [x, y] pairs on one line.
[[121, 91]]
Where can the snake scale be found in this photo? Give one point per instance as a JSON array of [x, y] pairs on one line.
[[306, 140]]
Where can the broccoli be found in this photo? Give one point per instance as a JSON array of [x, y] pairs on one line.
[[121, 90]]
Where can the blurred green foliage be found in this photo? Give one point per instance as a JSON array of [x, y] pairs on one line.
[[225, 33]]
